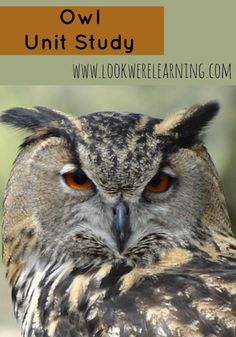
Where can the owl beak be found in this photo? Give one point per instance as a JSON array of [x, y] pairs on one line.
[[121, 225]]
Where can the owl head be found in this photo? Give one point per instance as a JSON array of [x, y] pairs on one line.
[[111, 185]]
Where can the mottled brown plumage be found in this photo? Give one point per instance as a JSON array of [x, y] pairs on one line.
[[122, 257]]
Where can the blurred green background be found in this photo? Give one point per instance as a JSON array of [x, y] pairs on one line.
[[153, 100]]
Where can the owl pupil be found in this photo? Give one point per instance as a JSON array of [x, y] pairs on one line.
[[156, 181], [80, 178]]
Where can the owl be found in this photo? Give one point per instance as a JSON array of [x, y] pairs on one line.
[[115, 225]]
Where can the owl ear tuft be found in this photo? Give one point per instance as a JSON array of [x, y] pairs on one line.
[[32, 119], [42, 122], [186, 126]]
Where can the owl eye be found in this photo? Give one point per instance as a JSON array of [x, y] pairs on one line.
[[160, 183], [77, 180]]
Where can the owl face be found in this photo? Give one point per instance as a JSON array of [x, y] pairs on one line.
[[111, 185]]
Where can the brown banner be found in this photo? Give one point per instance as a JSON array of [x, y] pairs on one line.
[[82, 30]]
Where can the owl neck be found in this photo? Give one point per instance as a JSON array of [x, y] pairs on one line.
[[47, 284]]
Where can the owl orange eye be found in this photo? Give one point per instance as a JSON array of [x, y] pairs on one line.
[[77, 180], [160, 183]]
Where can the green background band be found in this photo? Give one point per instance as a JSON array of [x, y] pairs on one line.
[[195, 32]]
